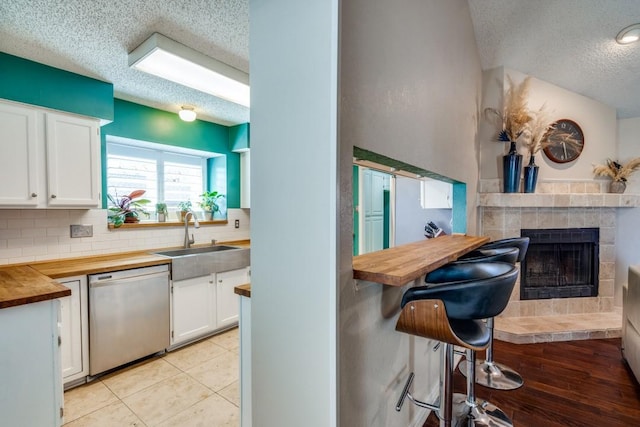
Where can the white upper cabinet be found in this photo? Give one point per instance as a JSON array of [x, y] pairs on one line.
[[436, 194], [18, 156], [51, 159], [73, 161]]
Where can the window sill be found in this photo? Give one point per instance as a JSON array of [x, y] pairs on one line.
[[152, 224]]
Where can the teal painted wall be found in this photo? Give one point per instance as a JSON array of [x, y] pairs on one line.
[[459, 212], [239, 138], [38, 84], [143, 123]]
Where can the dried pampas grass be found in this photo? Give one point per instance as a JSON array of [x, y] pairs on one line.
[[536, 130], [515, 114], [616, 171]]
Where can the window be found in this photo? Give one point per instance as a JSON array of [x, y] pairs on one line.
[[167, 174]]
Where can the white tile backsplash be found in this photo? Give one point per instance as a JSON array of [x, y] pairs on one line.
[[28, 235]]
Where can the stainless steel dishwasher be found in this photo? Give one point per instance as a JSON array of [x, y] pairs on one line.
[[128, 316]]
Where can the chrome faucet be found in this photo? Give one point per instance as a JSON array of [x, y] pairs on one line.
[[189, 241]]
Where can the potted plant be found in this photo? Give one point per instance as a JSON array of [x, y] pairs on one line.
[[536, 134], [161, 211], [513, 121], [618, 173], [183, 208], [209, 203], [127, 208]]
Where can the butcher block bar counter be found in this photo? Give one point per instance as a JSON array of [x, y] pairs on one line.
[[400, 265], [23, 285]]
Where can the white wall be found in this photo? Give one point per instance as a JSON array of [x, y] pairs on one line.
[[597, 120], [293, 50], [628, 232], [28, 235], [410, 90]]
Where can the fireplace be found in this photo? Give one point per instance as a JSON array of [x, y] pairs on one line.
[[560, 263]]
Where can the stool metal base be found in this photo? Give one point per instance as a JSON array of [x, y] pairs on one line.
[[494, 375], [482, 414]]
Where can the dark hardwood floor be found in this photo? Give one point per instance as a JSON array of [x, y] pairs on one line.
[[567, 384]]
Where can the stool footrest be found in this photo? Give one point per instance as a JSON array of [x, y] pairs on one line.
[[407, 394]]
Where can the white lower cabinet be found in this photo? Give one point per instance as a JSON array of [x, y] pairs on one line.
[[202, 305], [31, 391], [193, 304], [74, 330], [227, 305]]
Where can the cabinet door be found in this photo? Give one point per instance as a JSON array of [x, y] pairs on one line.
[[436, 194], [73, 161], [193, 304], [74, 329], [227, 303], [245, 180], [18, 156]]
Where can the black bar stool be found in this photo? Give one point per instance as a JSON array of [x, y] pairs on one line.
[[489, 373], [452, 313]]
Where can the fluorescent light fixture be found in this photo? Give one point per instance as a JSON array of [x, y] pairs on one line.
[[166, 58], [629, 34], [187, 114]]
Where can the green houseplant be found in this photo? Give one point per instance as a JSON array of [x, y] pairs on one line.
[[127, 208], [209, 203], [183, 208], [161, 211]]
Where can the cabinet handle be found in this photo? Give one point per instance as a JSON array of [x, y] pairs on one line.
[[34, 195], [53, 196], [220, 281]]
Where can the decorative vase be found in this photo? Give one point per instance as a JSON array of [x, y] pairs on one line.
[[617, 187], [208, 215], [511, 168], [530, 175], [161, 217]]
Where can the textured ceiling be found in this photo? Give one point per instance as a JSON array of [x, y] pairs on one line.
[[94, 37], [569, 43]]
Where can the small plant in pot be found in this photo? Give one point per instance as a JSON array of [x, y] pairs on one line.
[[161, 211], [618, 173], [127, 209], [183, 208], [209, 203]]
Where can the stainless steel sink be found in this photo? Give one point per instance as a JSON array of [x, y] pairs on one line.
[[196, 262], [191, 251]]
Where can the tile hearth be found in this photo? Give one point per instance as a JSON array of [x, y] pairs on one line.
[[565, 327]]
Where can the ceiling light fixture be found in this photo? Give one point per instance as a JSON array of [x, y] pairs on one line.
[[166, 58], [187, 114], [629, 34]]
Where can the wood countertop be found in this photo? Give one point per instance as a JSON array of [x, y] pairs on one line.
[[400, 265], [98, 264], [21, 285], [32, 282], [243, 290]]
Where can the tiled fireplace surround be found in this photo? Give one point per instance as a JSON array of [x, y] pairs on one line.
[[557, 205]]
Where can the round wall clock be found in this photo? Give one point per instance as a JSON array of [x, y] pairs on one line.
[[565, 141]]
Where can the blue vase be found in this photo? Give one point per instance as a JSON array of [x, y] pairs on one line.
[[530, 176], [511, 168]]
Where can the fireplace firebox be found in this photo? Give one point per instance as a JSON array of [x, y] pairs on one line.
[[560, 263]]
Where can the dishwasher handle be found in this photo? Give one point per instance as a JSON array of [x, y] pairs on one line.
[[109, 280]]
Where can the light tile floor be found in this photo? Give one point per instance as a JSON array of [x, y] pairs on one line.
[[194, 386], [566, 327]]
